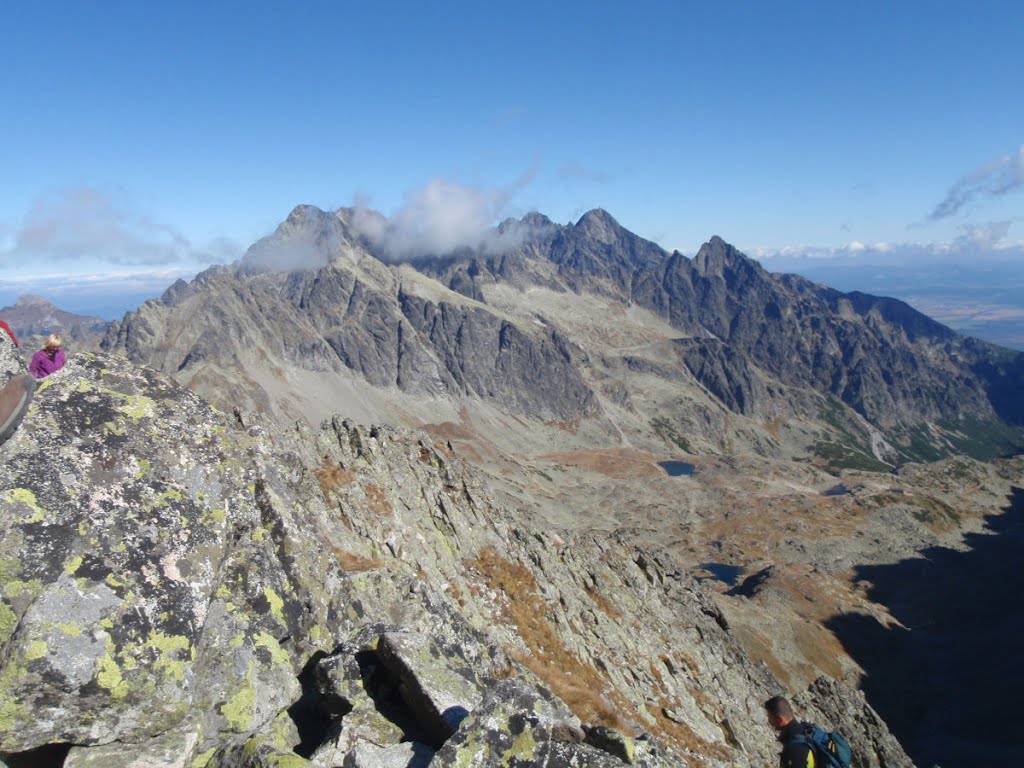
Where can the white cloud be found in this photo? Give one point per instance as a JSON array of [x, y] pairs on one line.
[[440, 217], [983, 236], [978, 243], [91, 226], [999, 177]]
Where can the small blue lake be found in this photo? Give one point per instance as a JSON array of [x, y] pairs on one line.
[[723, 572], [676, 468]]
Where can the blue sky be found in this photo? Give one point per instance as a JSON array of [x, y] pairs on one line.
[[144, 140]]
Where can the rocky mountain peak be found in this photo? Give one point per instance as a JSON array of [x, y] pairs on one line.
[[32, 317], [31, 301], [716, 255], [308, 239], [537, 219], [598, 224]]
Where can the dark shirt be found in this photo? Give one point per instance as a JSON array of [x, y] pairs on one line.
[[794, 754]]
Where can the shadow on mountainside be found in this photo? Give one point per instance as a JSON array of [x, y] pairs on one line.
[[949, 684]]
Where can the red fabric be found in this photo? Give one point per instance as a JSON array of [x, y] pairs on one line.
[[10, 333]]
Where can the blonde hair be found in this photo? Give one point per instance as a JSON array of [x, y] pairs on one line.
[[53, 342]]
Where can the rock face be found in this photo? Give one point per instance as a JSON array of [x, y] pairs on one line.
[[891, 364], [391, 326], [181, 588], [314, 298]]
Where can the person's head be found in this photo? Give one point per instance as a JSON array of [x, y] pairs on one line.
[[780, 714], [53, 342]]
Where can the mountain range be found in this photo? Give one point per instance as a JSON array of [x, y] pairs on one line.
[[557, 324], [780, 451]]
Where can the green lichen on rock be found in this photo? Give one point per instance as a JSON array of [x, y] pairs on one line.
[[8, 621], [168, 649], [523, 747], [277, 654], [36, 650], [109, 676], [137, 406], [70, 628], [238, 710], [13, 714], [27, 498], [276, 604]]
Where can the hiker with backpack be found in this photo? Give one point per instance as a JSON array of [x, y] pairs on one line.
[[805, 745]]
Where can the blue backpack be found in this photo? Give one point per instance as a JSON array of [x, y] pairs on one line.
[[831, 750]]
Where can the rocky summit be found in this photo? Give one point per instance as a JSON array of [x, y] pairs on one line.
[[179, 587]]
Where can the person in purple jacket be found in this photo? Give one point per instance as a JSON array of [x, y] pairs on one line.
[[49, 359]]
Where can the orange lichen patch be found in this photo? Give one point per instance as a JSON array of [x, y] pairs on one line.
[[614, 462], [589, 695], [377, 499], [332, 477], [353, 563]]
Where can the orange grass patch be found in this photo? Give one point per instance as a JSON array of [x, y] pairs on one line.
[[604, 604], [579, 685], [332, 478], [589, 695], [613, 462], [353, 563], [377, 499]]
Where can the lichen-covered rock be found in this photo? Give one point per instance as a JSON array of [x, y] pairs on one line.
[[168, 575], [404, 755], [355, 697], [139, 577], [439, 690], [11, 360], [169, 750], [255, 753], [516, 725]]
